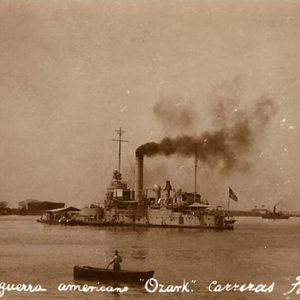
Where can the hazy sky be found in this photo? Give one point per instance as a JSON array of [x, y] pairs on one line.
[[72, 72]]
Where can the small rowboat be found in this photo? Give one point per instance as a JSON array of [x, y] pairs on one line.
[[99, 274]]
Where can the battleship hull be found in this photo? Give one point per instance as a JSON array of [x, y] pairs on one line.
[[164, 218]]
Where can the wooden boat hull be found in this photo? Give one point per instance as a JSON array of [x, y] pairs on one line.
[[99, 274]]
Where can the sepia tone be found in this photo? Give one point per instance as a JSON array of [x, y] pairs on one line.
[[193, 98]]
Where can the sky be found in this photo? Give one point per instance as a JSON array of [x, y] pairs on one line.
[[72, 72]]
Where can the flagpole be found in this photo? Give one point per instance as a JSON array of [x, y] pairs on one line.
[[228, 204]]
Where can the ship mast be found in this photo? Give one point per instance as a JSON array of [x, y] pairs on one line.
[[120, 141], [195, 179]]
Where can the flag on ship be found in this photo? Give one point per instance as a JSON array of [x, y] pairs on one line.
[[232, 195]]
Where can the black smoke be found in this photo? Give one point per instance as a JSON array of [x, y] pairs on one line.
[[223, 147]]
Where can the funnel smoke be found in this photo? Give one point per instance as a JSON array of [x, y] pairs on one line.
[[224, 147]]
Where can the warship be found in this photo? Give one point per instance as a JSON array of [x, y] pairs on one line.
[[168, 208]]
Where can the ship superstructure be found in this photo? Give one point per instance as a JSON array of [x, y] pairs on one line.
[[173, 209]]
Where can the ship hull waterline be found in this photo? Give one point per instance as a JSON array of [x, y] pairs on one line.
[[109, 224]]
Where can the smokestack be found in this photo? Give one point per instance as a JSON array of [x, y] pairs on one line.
[[274, 209], [138, 183]]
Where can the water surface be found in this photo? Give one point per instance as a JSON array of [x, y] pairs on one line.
[[257, 251]]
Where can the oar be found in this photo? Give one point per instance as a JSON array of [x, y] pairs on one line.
[[107, 267]]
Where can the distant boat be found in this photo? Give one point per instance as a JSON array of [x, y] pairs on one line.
[[97, 274], [275, 215]]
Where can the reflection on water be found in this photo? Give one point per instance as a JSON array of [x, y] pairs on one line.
[[258, 251]]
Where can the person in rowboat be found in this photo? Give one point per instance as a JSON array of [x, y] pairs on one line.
[[116, 261]]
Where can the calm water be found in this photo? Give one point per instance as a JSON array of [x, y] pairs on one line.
[[257, 251]]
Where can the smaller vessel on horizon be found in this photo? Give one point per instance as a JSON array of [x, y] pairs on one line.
[[275, 214]]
